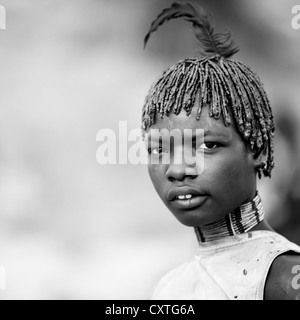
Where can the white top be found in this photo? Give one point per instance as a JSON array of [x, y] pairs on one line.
[[233, 268]]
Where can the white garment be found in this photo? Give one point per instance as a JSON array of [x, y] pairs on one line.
[[232, 268]]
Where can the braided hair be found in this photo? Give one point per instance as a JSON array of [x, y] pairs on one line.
[[229, 88]]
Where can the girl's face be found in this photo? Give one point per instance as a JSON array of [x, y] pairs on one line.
[[227, 179]]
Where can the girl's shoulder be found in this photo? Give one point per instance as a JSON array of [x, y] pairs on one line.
[[283, 281]]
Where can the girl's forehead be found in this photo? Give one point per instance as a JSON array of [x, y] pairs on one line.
[[182, 121]]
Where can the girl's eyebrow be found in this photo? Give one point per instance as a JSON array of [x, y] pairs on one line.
[[216, 134], [194, 136]]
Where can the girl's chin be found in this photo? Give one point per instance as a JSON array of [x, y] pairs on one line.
[[192, 222]]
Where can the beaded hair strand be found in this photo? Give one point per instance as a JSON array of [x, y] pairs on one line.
[[229, 88]]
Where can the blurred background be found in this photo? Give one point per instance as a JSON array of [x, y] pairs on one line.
[[71, 228]]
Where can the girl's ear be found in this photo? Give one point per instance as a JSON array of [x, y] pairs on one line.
[[259, 160], [260, 157]]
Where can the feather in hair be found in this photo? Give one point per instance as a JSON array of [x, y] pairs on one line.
[[212, 43]]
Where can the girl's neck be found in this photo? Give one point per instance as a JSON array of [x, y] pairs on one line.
[[248, 216]]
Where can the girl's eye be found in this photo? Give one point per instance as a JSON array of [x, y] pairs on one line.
[[156, 151], [210, 145]]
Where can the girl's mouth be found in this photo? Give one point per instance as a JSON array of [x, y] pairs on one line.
[[188, 201], [184, 197]]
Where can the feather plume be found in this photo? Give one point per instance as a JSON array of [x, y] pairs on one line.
[[212, 43]]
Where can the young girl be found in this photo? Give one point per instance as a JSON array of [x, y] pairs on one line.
[[239, 256]]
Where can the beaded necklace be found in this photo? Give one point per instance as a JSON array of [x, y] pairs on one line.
[[241, 220]]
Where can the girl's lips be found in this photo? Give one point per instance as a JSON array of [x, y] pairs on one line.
[[186, 197], [176, 192], [188, 204]]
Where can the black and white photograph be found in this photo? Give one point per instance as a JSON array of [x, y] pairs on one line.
[[150, 150]]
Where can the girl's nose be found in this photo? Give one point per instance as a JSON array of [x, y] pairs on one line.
[[179, 170]]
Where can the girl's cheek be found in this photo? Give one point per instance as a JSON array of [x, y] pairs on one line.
[[156, 174], [221, 172]]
